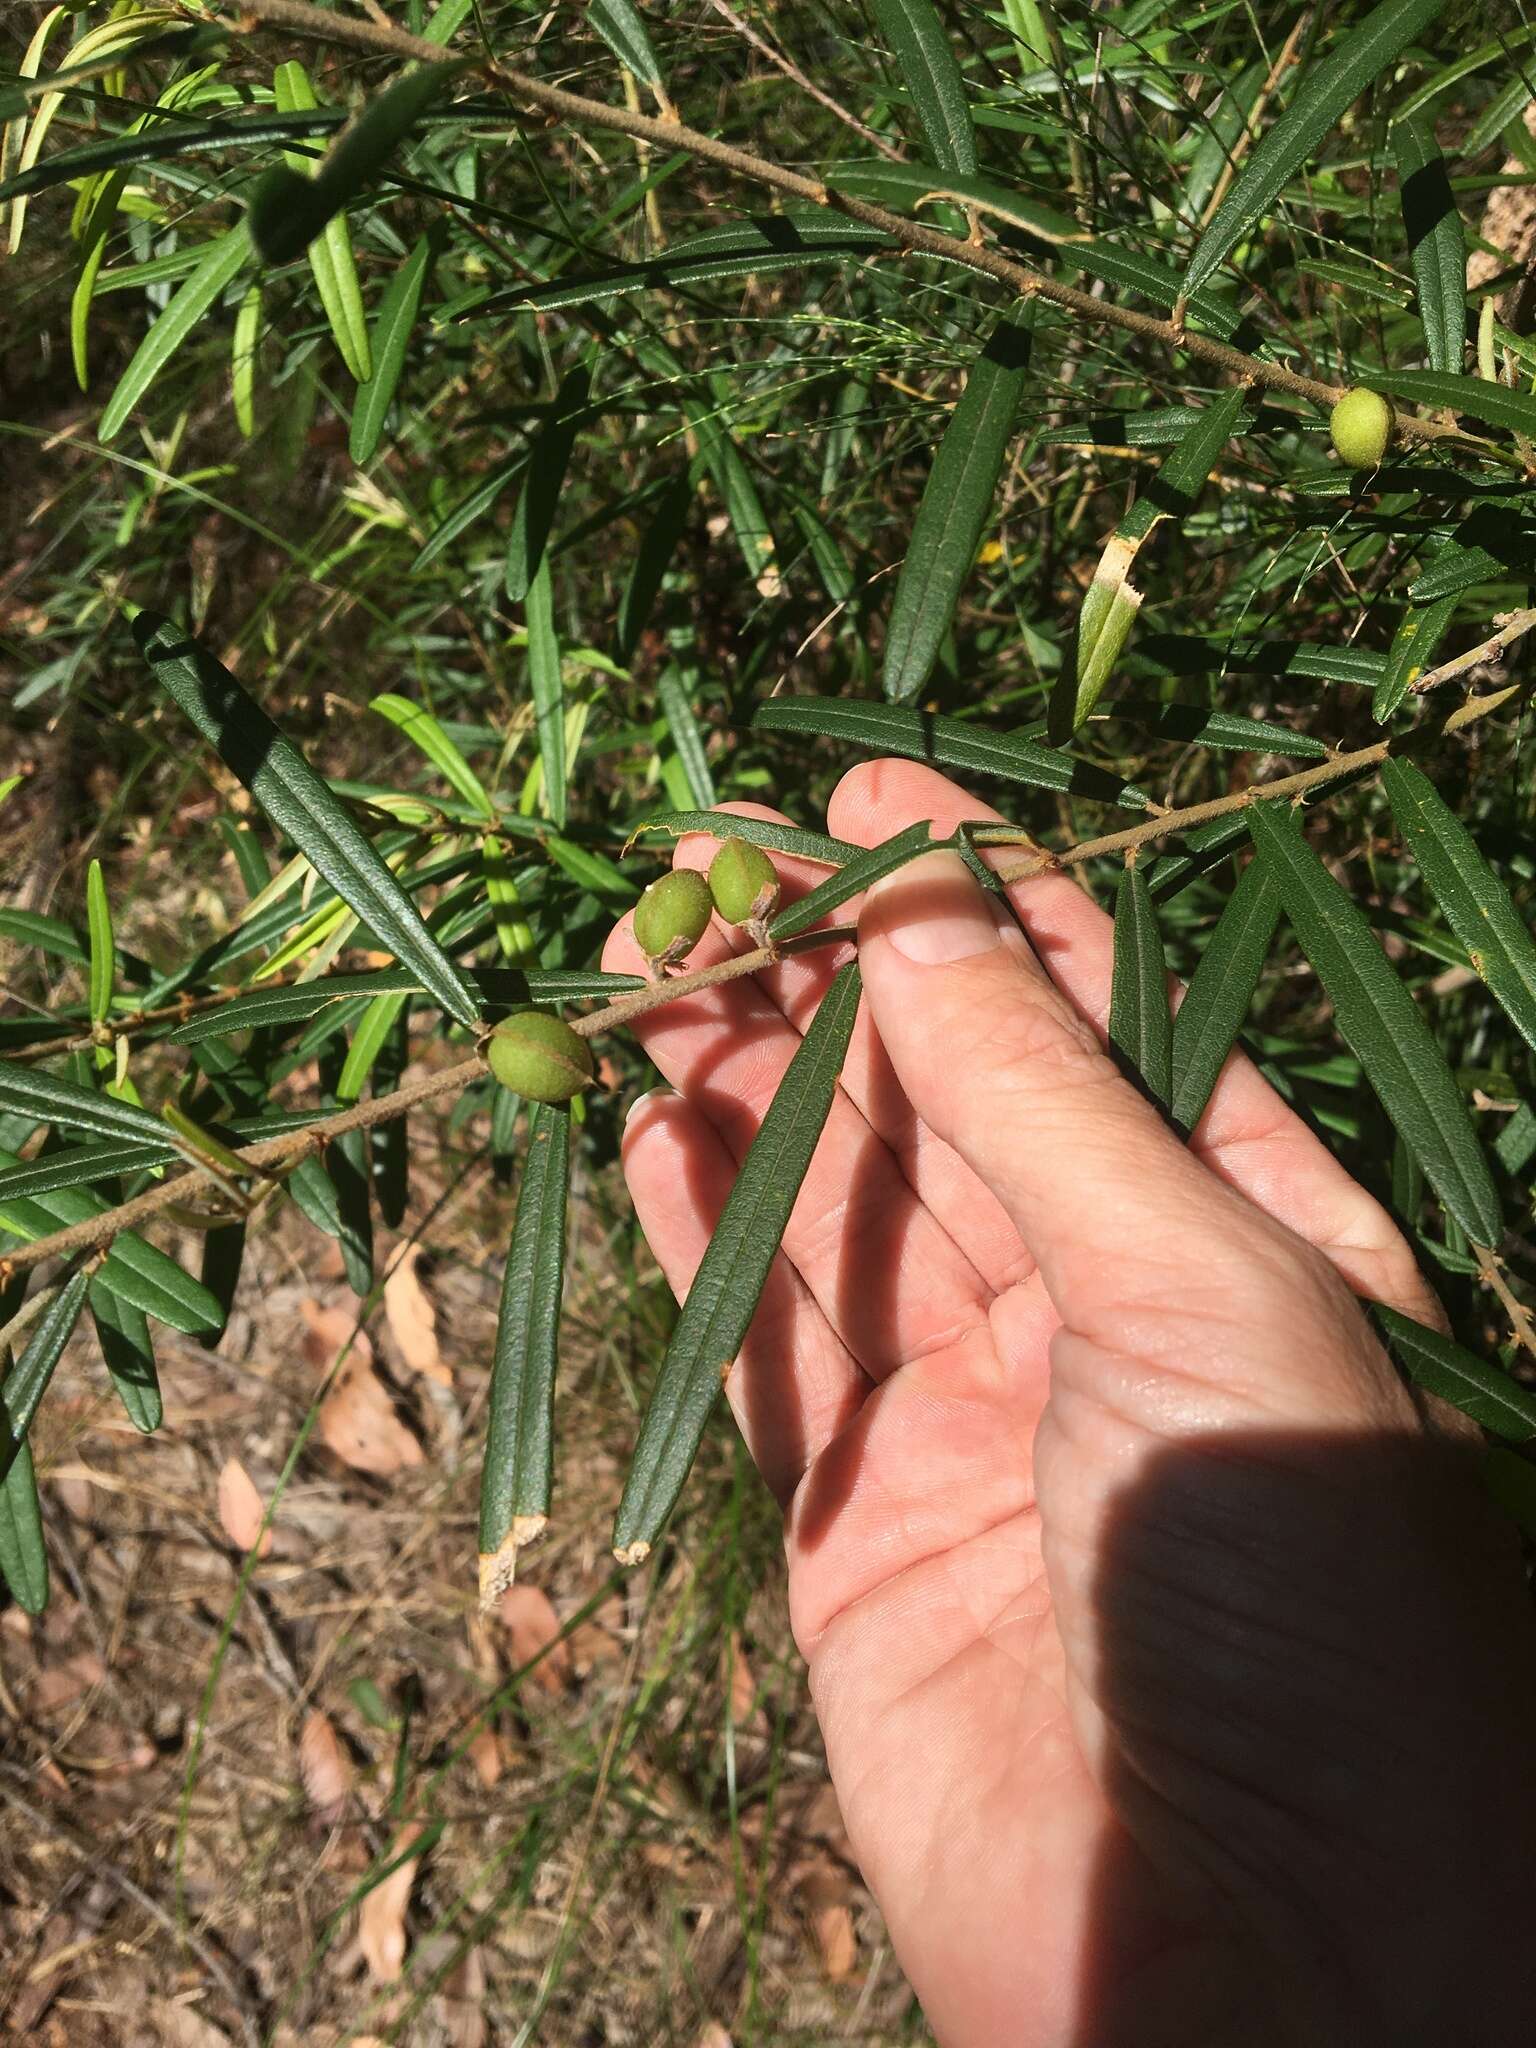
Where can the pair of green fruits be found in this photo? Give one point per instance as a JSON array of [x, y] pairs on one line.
[[540, 1056]]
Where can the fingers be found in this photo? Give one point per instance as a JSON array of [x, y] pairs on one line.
[[969, 1212], [999, 1064], [794, 1384], [888, 1278], [1247, 1137]]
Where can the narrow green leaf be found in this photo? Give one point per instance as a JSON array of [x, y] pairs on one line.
[[215, 272], [23, 1559], [50, 1098], [955, 503], [1436, 243], [1363, 51], [543, 480], [242, 362], [547, 684], [620, 26], [853, 878], [673, 825], [1189, 654], [94, 238], [129, 1355], [1130, 270], [223, 1257], [906, 185], [1419, 632], [1495, 404], [1195, 725], [391, 338], [22, 1388], [1441, 1366], [1139, 1024], [677, 709], [423, 730], [1382, 1025], [389, 1143], [658, 544], [914, 34], [300, 805], [469, 508], [327, 1196], [1477, 905], [1215, 1005], [947, 743], [98, 917], [519, 1446], [368, 1041], [733, 479], [725, 1291], [747, 248], [330, 254], [289, 209]]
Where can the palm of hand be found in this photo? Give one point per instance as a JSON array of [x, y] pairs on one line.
[[1016, 1775]]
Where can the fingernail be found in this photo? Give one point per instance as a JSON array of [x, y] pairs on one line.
[[650, 1095], [932, 911]]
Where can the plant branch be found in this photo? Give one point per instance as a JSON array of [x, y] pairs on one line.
[[1292, 786], [1027, 283]]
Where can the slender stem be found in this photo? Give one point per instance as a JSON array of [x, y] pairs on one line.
[[1510, 628], [1519, 1315], [314, 22]]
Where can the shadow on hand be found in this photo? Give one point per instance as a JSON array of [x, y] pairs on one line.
[[1317, 1662]]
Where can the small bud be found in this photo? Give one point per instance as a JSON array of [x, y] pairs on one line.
[[672, 916], [1361, 426], [539, 1056], [743, 882]]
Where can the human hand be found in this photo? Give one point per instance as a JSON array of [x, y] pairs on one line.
[[1176, 1683]]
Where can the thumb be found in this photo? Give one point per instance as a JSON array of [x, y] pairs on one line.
[[997, 1062]]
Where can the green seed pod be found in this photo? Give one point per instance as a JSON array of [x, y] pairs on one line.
[[671, 916], [539, 1056], [743, 882], [1361, 426]]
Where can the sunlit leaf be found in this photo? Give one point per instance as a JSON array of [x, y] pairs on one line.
[[1435, 241], [391, 337], [1215, 1005], [1139, 1025], [1441, 1366]]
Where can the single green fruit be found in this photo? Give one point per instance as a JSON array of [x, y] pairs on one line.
[[744, 882], [1361, 426], [539, 1056], [672, 916]]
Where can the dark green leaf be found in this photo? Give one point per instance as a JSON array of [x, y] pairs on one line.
[[464, 514], [672, 825], [946, 743], [129, 1354], [22, 1388], [288, 210], [1133, 271], [1182, 654], [956, 501], [392, 327], [28, 1091], [1441, 1366], [543, 481], [725, 1291], [23, 1560], [900, 187], [1382, 1025], [915, 36], [317, 1191], [621, 28], [1362, 53], [1435, 241], [164, 141], [658, 544], [853, 878], [1478, 907], [1419, 633], [519, 1445], [1206, 1023], [546, 682], [1495, 404], [223, 1257], [1194, 725], [300, 805], [1138, 1005]]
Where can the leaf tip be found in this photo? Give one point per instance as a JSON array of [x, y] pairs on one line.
[[498, 1567], [630, 1554]]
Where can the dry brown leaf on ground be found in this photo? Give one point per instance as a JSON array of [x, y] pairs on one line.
[[484, 1753], [461, 2004], [412, 1318], [826, 1893], [328, 1332], [381, 1918], [183, 2026], [242, 1509], [713, 2036], [743, 1688], [358, 1422], [534, 1626], [324, 1768], [60, 1685]]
